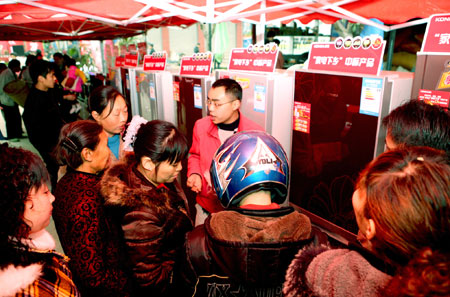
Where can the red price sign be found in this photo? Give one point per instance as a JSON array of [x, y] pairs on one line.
[[302, 116], [432, 97], [437, 36], [131, 60], [260, 58], [198, 64], [352, 55], [120, 61], [155, 62]]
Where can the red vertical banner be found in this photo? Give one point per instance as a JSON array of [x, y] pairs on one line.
[[302, 117]]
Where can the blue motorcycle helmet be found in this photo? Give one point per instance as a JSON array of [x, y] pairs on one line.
[[247, 162]]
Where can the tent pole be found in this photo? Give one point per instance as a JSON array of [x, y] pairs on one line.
[[102, 49], [209, 37], [390, 52]]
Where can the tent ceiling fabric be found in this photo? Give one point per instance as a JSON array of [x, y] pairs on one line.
[[62, 19]]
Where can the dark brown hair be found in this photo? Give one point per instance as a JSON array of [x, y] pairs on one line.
[[408, 196]]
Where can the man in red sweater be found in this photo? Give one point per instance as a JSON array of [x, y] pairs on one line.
[[224, 101]]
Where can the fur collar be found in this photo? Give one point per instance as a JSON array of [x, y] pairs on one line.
[[13, 279], [123, 187]]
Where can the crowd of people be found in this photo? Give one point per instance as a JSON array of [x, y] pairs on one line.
[[124, 221]]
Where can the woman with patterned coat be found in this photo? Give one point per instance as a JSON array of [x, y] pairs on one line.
[[29, 265], [150, 206], [85, 234]]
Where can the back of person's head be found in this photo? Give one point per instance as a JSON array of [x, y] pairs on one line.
[[426, 275], [232, 87], [248, 162], [277, 41], [40, 68], [416, 123], [3, 67], [21, 171], [74, 137], [30, 59], [14, 64], [406, 194], [101, 97], [160, 141], [58, 55]]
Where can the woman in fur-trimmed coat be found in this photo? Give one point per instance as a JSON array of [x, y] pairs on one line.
[[146, 200]]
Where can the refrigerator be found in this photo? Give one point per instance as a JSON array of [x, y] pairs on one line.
[[152, 95], [267, 100], [337, 129], [189, 95], [429, 72]]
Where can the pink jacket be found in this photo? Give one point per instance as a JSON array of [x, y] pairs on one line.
[[205, 142]]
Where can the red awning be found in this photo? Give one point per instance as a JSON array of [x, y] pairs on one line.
[[62, 19]]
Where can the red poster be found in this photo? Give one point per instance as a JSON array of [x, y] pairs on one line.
[[199, 64], [155, 62], [352, 55], [432, 97], [176, 91], [260, 58], [437, 36], [120, 61], [302, 116], [131, 60]]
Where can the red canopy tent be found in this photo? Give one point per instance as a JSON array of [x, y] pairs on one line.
[[86, 19], [62, 19]]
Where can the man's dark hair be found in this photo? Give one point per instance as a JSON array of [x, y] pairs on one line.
[[416, 123], [59, 55], [231, 86], [40, 68], [14, 63]]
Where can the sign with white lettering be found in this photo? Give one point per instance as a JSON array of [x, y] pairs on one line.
[[437, 35], [155, 61], [199, 64], [260, 58], [433, 97], [131, 60], [352, 55], [120, 61]]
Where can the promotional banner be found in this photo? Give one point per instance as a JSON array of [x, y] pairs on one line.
[[155, 62], [199, 64], [258, 58], [131, 60], [437, 35], [351, 55], [432, 97], [120, 61]]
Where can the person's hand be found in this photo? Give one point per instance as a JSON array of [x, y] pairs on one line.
[[70, 97], [194, 182]]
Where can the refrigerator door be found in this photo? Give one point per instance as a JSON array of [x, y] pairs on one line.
[[146, 95], [342, 116]]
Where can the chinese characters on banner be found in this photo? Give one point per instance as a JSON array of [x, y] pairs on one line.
[[260, 58], [120, 61], [131, 60], [432, 97], [155, 61], [198, 64], [351, 55], [437, 36]]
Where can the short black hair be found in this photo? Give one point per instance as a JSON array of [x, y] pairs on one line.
[[14, 63], [416, 123], [231, 86], [40, 68]]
